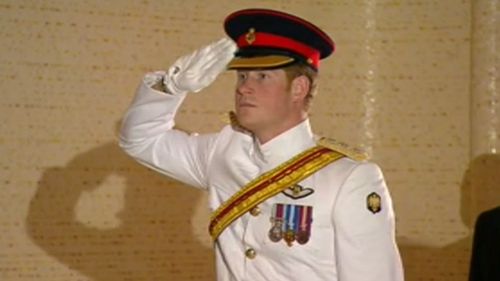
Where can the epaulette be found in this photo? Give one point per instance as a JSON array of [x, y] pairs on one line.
[[353, 153]]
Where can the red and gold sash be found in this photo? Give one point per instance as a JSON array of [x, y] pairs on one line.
[[269, 184]]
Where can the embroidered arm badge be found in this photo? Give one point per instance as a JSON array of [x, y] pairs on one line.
[[374, 202]]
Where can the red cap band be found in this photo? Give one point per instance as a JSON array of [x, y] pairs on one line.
[[275, 41]]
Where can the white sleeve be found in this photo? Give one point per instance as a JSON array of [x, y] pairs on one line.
[[365, 239], [147, 135]]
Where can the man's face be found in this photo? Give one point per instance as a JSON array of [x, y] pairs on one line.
[[263, 101]]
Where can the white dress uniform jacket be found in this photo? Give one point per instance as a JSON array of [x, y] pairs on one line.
[[347, 242]]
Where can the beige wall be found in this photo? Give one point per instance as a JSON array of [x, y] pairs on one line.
[[74, 207]]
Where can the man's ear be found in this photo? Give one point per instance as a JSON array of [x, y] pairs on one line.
[[300, 87]]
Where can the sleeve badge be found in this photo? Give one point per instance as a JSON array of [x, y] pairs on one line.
[[374, 202]]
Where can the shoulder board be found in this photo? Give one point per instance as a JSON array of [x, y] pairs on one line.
[[343, 148]]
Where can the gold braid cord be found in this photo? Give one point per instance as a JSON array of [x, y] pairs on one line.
[[269, 184]]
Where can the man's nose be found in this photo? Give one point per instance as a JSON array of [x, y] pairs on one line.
[[245, 87]]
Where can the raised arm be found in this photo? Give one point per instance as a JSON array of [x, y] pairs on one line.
[[147, 132]]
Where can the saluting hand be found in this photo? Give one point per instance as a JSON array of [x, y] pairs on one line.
[[195, 71]]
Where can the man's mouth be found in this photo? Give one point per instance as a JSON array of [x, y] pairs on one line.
[[246, 104]]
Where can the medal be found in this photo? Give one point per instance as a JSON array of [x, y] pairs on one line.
[[276, 231], [291, 223], [304, 231]]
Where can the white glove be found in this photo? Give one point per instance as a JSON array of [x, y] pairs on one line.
[[196, 71]]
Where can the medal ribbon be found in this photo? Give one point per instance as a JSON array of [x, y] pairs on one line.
[[269, 184], [296, 223]]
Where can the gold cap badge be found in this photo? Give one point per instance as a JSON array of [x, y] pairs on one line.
[[250, 36]]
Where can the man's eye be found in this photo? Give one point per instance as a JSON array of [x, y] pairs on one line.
[[262, 75]]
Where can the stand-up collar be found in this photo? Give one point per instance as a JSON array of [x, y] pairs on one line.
[[285, 145]]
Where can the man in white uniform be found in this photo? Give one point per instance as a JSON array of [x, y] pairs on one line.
[[287, 204]]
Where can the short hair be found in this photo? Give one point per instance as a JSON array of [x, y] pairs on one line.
[[300, 69]]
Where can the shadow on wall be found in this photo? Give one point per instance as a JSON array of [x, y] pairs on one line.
[[154, 238], [480, 191]]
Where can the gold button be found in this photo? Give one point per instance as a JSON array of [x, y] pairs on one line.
[[255, 211], [250, 253]]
